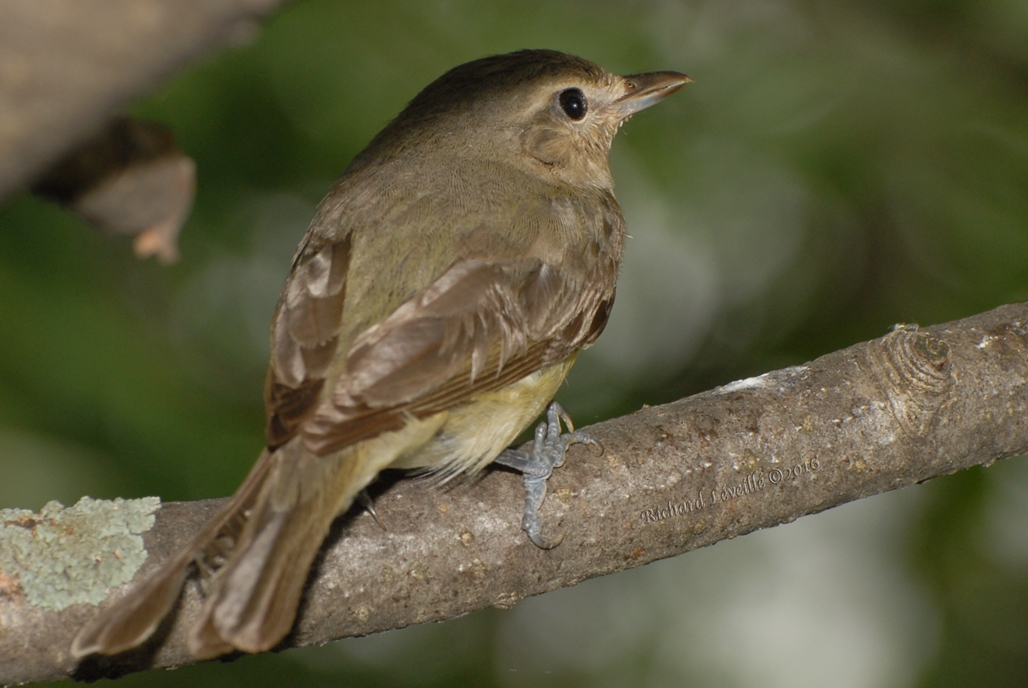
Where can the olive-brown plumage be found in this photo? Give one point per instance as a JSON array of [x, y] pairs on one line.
[[435, 304]]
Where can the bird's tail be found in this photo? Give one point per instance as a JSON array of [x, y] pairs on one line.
[[254, 557]]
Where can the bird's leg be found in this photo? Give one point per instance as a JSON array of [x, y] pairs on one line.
[[537, 464]]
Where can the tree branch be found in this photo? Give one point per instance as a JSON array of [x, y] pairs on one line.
[[66, 66], [895, 411]]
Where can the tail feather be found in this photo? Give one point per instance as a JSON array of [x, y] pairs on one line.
[[136, 616], [252, 603], [256, 554]]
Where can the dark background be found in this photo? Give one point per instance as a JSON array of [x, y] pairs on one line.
[[837, 167]]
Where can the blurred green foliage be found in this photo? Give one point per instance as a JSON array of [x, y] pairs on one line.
[[837, 167]]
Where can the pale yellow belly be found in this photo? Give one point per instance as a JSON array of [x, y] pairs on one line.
[[475, 433]]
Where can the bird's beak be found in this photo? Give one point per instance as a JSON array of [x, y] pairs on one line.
[[648, 89]]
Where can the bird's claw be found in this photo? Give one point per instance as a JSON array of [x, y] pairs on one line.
[[369, 505], [548, 452]]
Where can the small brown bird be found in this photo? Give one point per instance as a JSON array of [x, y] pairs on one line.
[[437, 301]]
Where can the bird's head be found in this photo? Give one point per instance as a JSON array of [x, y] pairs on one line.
[[550, 112]]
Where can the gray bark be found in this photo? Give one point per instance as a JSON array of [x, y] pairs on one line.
[[68, 66]]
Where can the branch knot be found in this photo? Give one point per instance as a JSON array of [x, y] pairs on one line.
[[913, 369]]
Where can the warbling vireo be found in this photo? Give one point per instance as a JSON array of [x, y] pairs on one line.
[[438, 299]]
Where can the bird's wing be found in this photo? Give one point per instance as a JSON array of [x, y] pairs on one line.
[[305, 336], [478, 327]]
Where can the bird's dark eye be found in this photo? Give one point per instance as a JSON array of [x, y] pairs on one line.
[[574, 104]]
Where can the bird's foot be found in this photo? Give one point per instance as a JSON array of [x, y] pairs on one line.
[[537, 464]]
